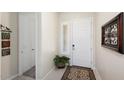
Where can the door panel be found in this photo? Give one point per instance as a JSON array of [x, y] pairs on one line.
[[26, 41], [81, 43]]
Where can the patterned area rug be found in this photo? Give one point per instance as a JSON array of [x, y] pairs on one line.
[[78, 73]]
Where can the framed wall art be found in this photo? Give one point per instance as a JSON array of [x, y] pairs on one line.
[[113, 34], [5, 40], [5, 35], [5, 52], [5, 44]]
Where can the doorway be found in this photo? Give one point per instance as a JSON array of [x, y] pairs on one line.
[[27, 44], [76, 38], [81, 42]]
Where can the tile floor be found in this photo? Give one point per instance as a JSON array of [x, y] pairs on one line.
[[23, 78], [55, 74], [28, 75], [30, 72]]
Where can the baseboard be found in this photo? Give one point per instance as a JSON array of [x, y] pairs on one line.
[[97, 75], [48, 73], [12, 77]]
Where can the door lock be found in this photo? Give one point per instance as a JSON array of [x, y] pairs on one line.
[[73, 47]]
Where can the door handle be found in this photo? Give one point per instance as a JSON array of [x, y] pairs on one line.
[[33, 49], [73, 47]]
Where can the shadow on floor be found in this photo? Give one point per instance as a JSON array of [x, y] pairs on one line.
[[28, 75]]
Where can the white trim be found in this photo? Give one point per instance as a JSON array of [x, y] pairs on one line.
[[97, 75], [12, 77], [92, 41], [19, 65], [48, 73], [36, 42]]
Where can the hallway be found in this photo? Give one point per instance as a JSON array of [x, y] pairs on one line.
[[62, 46], [85, 39]]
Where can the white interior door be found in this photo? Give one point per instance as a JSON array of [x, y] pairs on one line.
[[27, 28], [81, 42]]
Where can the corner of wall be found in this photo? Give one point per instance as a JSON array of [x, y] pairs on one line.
[[97, 75]]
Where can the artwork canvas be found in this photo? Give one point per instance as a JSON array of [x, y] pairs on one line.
[[5, 35], [5, 44], [113, 34], [5, 52]]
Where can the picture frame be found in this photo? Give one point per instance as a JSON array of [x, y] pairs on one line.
[[5, 52], [5, 44], [113, 34], [5, 40], [5, 35]]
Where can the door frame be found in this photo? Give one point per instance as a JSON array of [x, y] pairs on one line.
[[71, 40], [37, 15]]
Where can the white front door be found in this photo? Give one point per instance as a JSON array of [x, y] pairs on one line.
[[81, 42], [27, 28]]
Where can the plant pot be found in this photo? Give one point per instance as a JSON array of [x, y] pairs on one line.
[[60, 65]]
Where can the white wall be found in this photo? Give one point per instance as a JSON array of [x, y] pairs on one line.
[[67, 17], [110, 64], [48, 43], [70, 16], [9, 64]]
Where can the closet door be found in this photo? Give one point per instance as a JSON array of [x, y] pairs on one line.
[[26, 41]]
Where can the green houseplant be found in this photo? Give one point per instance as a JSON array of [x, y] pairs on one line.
[[61, 61]]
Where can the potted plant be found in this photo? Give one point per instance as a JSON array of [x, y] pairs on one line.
[[61, 61]]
